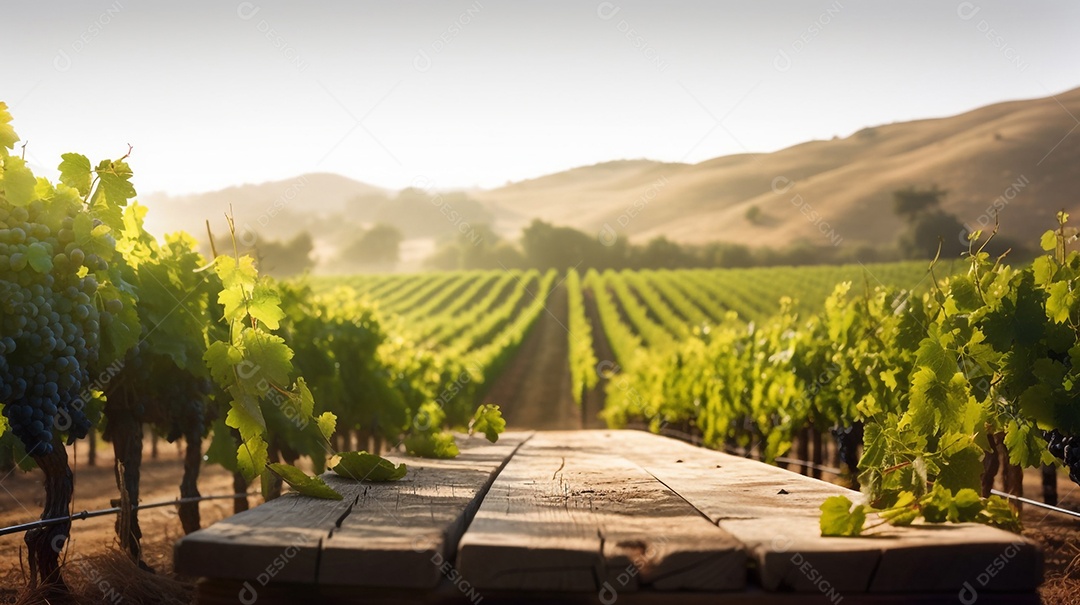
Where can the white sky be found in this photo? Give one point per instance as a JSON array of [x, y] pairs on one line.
[[213, 94]]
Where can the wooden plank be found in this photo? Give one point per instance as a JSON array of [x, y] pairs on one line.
[[282, 540], [399, 534], [568, 513], [775, 513], [288, 530]]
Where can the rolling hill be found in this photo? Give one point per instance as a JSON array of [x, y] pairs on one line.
[[276, 209], [1022, 157]]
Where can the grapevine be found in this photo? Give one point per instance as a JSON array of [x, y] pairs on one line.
[[66, 309]]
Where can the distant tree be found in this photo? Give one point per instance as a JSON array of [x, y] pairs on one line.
[[478, 248], [546, 246], [753, 214], [508, 256], [910, 202], [726, 255], [662, 253], [870, 253], [283, 259], [379, 246], [926, 230]]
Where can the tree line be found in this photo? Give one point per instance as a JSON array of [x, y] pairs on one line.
[[543, 246]]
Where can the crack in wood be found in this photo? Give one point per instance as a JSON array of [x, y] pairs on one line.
[[562, 465]]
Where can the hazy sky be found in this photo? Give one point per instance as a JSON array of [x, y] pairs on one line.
[[479, 92]]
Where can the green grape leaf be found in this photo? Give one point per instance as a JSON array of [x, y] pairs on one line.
[[933, 356], [926, 397], [1060, 302], [245, 418], [840, 518], [134, 217], [1037, 403], [1043, 268], [3, 421], [999, 513], [19, 182], [997, 328], [265, 306], [888, 377], [1024, 445], [236, 274], [1048, 371], [251, 457], [875, 446], [8, 138], [37, 254], [326, 422], [432, 445], [270, 357], [304, 483], [963, 291], [75, 172], [966, 506], [920, 472], [363, 466], [115, 183], [961, 470], [937, 504], [903, 512], [489, 421], [234, 303], [1048, 241], [221, 359], [111, 215], [305, 399]]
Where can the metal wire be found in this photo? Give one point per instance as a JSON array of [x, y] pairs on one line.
[[86, 514], [1050, 507]]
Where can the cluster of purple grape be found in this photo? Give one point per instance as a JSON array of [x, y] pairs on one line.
[[1067, 449], [49, 324], [848, 440]]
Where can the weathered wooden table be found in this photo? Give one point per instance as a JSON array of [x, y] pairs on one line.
[[592, 517]]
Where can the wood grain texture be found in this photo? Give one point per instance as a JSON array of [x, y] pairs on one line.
[[569, 513], [399, 534], [388, 536], [775, 512]]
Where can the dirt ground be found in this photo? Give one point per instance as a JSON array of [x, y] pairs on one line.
[[21, 497], [1059, 536], [534, 388]]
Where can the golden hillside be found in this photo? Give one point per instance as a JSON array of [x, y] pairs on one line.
[[1028, 151]]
